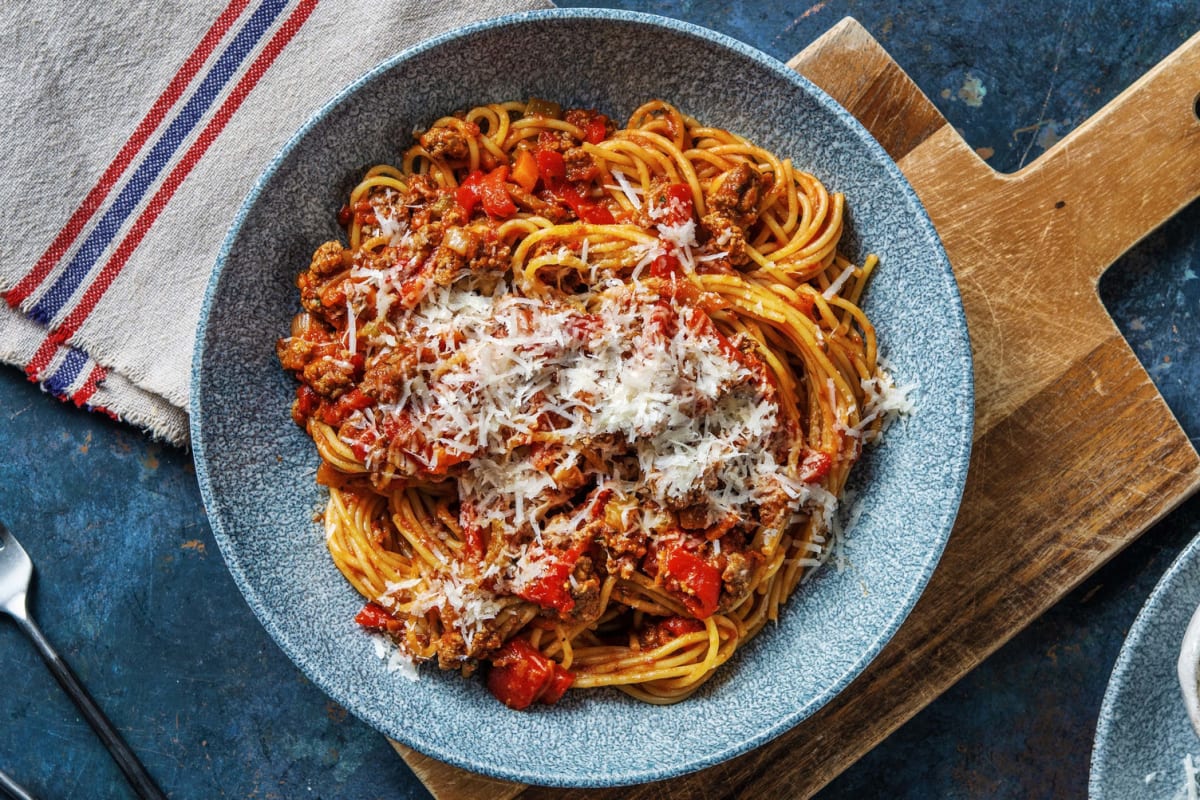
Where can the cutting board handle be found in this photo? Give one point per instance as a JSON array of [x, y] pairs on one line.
[[1074, 442], [1133, 164]]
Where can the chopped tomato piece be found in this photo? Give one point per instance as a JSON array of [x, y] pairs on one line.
[[680, 626], [307, 403], [525, 171], [552, 167], [375, 617], [815, 466], [345, 405], [496, 201], [520, 676], [560, 681], [364, 212], [468, 520], [594, 214], [587, 210], [596, 130], [334, 294], [699, 581], [441, 459], [552, 588], [665, 266], [673, 205]]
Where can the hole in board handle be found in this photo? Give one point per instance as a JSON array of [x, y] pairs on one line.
[[1196, 107]]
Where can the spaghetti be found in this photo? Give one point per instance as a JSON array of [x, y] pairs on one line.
[[585, 396]]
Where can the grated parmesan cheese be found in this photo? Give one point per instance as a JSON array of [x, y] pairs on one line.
[[696, 422]]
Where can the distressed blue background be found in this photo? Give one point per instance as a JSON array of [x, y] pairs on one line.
[[134, 593]]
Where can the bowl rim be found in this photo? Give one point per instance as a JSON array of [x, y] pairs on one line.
[[957, 459], [1160, 600]]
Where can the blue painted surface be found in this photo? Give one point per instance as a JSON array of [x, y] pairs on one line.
[[132, 590]]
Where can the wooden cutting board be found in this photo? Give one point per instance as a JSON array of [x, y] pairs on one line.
[[1075, 454]]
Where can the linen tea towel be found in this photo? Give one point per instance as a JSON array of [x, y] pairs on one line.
[[132, 133]]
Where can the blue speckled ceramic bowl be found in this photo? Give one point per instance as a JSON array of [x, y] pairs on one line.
[[1144, 733], [256, 467]]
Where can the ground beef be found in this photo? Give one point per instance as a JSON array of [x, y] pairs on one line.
[[695, 494], [655, 635], [329, 376], [446, 143], [736, 195], [384, 379], [493, 256], [725, 235], [580, 117], [737, 576], [443, 208], [581, 166], [316, 284], [775, 509], [328, 259], [298, 352], [445, 265], [624, 549], [421, 190], [559, 141], [585, 592], [694, 518], [425, 240]]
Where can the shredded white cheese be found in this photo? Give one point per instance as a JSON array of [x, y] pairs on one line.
[[640, 380], [838, 282]]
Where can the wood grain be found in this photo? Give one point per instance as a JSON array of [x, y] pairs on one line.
[[1075, 454]]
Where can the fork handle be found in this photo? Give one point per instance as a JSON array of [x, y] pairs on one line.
[[12, 789], [135, 773]]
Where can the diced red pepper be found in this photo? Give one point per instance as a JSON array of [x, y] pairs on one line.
[[587, 210], [344, 215], [345, 405], [594, 214], [307, 403], [665, 266], [496, 201], [699, 581], [441, 459], [673, 205], [552, 168], [596, 129], [376, 618], [560, 681], [525, 170], [468, 520], [521, 676], [815, 466], [552, 588], [680, 626], [467, 194]]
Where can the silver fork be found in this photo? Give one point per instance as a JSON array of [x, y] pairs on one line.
[[16, 569]]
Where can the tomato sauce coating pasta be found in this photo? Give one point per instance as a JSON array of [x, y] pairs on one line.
[[585, 395]]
